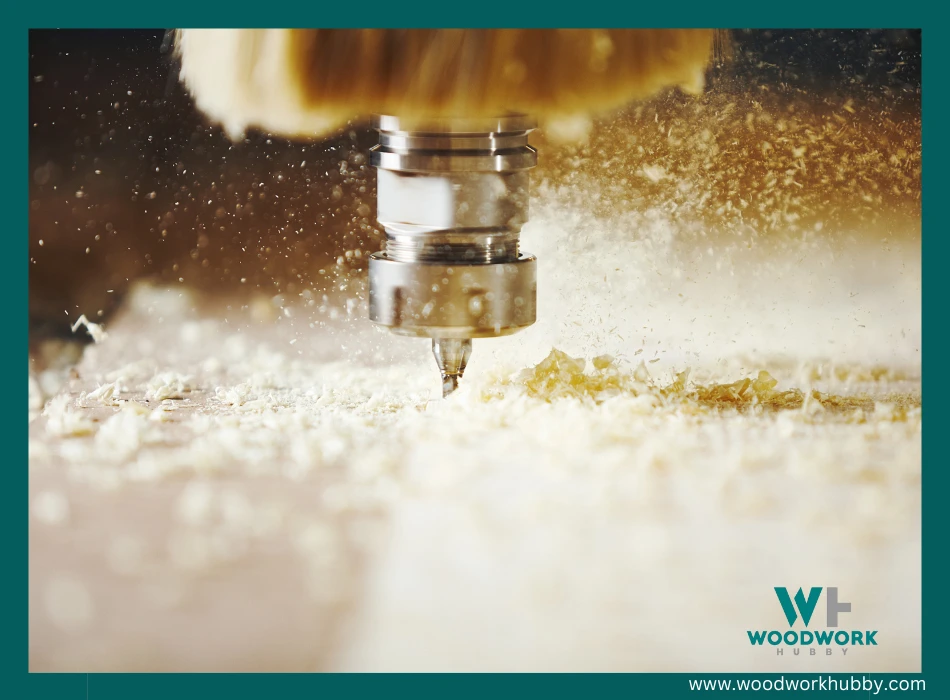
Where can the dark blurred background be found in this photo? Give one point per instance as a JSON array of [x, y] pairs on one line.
[[127, 181]]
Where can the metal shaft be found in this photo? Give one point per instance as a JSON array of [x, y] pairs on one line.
[[452, 197]]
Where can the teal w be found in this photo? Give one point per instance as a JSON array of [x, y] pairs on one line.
[[805, 606]]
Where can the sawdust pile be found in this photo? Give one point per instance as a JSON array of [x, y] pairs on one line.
[[560, 376], [344, 489]]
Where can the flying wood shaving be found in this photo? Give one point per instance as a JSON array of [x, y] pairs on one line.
[[95, 330]]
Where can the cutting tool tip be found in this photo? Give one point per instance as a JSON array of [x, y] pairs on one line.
[[452, 355]]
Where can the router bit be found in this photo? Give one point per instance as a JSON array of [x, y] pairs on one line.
[[452, 197]]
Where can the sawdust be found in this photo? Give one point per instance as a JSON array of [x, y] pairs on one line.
[[513, 480], [560, 376], [64, 420]]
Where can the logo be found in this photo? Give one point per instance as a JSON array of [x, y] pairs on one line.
[[801, 607]]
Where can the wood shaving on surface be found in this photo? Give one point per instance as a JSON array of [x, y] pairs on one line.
[[560, 376], [167, 385], [354, 507], [103, 395]]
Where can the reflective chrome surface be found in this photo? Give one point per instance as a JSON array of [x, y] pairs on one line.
[[452, 198]]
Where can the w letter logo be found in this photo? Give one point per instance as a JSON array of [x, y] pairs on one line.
[[806, 606]]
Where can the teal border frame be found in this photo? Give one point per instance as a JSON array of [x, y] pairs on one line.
[[19, 683]]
